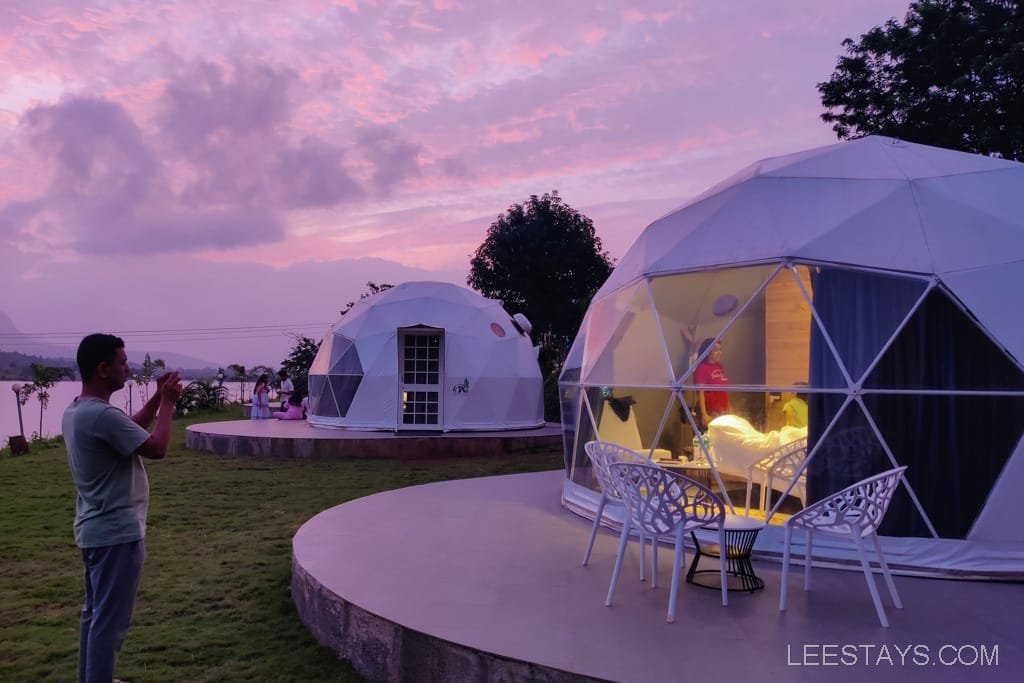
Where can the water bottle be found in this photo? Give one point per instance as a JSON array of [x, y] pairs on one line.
[[698, 453]]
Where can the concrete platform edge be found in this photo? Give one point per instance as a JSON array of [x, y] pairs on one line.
[[446, 446], [381, 650]]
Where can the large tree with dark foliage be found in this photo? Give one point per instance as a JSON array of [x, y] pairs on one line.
[[542, 258], [951, 75], [298, 361]]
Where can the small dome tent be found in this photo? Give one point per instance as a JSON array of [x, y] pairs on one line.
[[426, 356], [871, 282]]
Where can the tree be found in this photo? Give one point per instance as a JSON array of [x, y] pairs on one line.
[[299, 360], [542, 258], [239, 371], [43, 378], [371, 289], [952, 75], [145, 375]]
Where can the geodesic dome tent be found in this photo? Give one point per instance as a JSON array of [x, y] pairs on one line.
[[426, 356], [874, 279]]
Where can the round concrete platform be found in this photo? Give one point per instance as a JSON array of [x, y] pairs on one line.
[[297, 439], [480, 580]]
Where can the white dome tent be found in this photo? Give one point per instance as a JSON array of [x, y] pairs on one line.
[[877, 279], [426, 356]]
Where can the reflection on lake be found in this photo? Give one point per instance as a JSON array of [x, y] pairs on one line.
[[61, 394]]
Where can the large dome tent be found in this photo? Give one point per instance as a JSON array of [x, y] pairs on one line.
[[426, 356], [874, 279]]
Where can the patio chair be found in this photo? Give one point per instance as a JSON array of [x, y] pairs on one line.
[[854, 513], [663, 503], [602, 454], [781, 464]]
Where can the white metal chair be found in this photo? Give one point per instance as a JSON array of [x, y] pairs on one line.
[[663, 503], [602, 454], [854, 513], [780, 464]]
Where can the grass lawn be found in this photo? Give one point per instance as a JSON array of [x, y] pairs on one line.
[[215, 603]]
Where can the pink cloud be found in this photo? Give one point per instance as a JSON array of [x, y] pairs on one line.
[[532, 54], [313, 113], [467, 61], [393, 158], [633, 15], [592, 35]]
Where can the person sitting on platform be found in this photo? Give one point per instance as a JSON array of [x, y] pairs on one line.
[[295, 410]]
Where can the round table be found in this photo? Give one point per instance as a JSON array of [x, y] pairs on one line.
[[698, 470], [740, 534]]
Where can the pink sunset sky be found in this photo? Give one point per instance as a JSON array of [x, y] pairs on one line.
[[185, 165]]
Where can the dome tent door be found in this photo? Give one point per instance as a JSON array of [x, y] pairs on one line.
[[421, 372]]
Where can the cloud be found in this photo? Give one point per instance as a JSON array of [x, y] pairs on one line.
[[221, 169], [233, 128], [393, 158], [311, 174], [109, 193], [98, 151], [320, 122], [205, 106]]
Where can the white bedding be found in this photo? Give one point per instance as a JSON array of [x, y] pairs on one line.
[[736, 444]]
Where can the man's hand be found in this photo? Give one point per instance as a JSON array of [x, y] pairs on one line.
[[169, 387], [166, 377]]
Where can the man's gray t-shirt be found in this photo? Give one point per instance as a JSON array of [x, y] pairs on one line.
[[113, 491]]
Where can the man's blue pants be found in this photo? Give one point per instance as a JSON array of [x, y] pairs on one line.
[[111, 580]]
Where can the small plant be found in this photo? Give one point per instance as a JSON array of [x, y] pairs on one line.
[[145, 375], [43, 378]]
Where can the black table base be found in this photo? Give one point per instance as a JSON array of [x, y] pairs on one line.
[[738, 569]]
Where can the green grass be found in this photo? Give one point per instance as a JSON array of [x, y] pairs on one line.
[[215, 603]]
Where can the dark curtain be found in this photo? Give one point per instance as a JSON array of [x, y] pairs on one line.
[[860, 311], [955, 446]]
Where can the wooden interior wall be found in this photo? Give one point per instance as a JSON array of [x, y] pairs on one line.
[[787, 330]]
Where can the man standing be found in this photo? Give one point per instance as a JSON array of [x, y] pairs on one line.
[[286, 390], [104, 447]]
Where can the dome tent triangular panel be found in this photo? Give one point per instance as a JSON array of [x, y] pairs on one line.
[[857, 165], [722, 293], [419, 347], [975, 289], [870, 227], [986, 206], [634, 341]]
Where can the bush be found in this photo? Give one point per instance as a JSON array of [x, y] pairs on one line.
[[201, 395]]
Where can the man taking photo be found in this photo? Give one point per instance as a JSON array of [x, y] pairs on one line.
[[105, 450]]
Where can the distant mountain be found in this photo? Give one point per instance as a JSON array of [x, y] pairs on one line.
[[13, 340]]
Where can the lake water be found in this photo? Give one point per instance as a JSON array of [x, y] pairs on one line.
[[62, 394]]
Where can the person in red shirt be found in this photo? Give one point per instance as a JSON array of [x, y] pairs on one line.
[[710, 371]]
